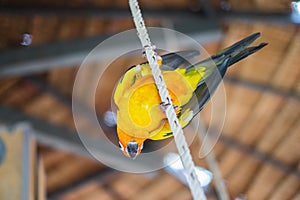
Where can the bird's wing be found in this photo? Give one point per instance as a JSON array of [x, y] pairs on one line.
[[214, 69], [203, 92], [205, 76], [174, 60]]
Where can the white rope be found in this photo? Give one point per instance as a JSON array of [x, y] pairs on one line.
[[180, 141], [212, 163]]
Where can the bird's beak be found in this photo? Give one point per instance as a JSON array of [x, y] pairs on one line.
[[132, 155], [132, 149]]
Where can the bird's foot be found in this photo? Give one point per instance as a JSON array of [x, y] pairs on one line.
[[163, 107], [153, 47], [157, 57]]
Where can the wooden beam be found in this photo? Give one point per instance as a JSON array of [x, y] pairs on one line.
[[67, 140], [262, 87], [98, 12], [17, 170], [37, 59], [99, 177], [158, 13]]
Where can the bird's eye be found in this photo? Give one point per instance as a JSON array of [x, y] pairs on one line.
[[121, 146]]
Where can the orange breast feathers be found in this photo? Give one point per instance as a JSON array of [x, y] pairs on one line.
[[140, 113]]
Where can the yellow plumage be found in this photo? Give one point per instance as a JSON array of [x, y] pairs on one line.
[[140, 114], [139, 111]]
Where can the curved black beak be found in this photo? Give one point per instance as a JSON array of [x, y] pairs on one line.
[[132, 149]]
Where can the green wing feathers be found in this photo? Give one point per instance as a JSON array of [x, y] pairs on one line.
[[214, 68]]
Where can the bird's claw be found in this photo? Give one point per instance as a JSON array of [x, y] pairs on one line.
[[158, 58], [163, 106], [144, 50]]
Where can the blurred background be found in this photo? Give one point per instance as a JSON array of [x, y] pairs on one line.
[[44, 42]]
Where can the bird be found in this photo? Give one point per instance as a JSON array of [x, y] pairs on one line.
[[140, 111]]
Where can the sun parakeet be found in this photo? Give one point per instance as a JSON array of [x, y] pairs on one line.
[[141, 114]]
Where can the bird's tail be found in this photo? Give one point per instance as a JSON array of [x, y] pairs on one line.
[[235, 53], [211, 77], [239, 50]]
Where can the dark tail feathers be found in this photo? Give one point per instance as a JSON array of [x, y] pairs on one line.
[[244, 53]]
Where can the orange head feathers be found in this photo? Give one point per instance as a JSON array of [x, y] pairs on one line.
[[131, 146]]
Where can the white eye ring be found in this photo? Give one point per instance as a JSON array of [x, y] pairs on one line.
[[121, 146]]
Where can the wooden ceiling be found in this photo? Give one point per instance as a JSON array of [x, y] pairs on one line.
[[258, 152]]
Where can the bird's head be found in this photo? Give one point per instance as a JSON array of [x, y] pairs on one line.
[[131, 146]]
